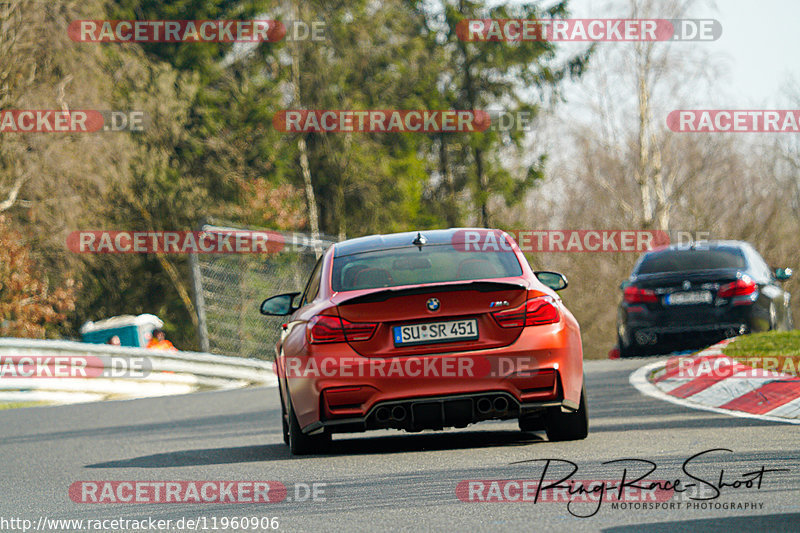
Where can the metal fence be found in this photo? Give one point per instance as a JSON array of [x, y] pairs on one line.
[[116, 372], [229, 289]]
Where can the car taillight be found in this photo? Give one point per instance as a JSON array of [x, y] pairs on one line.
[[634, 295], [740, 287], [323, 329], [535, 312], [358, 331]]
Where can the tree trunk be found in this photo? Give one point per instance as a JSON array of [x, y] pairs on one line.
[[311, 200]]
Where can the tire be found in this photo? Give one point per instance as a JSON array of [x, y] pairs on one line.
[[299, 442], [626, 351], [562, 426], [284, 417], [531, 423]]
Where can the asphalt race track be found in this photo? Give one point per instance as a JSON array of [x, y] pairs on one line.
[[392, 481]]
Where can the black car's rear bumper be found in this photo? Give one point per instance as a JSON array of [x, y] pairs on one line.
[[687, 328]]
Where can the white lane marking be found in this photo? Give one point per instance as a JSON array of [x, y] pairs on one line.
[[673, 383], [789, 409], [726, 390], [639, 380]]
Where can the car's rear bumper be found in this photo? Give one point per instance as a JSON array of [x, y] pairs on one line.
[[438, 412], [642, 328], [543, 367]]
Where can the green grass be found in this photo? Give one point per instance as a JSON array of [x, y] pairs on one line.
[[14, 405], [772, 350]]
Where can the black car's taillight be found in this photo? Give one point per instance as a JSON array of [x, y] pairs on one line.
[[741, 287], [743, 291], [635, 295]]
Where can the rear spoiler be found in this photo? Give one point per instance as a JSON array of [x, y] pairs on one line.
[[387, 294]]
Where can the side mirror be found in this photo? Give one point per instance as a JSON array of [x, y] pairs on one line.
[[625, 284], [554, 280], [280, 305], [782, 274]]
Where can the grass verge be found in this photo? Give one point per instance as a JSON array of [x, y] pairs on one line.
[[771, 350], [14, 405]]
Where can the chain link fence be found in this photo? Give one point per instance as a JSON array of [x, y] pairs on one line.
[[229, 289]]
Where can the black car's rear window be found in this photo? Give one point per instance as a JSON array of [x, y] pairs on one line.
[[410, 266], [692, 259]]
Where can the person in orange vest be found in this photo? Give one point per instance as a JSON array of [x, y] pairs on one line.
[[159, 341]]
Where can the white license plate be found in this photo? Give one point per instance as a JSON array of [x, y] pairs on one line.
[[431, 332], [688, 298]]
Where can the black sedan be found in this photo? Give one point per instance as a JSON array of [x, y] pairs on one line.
[[686, 296]]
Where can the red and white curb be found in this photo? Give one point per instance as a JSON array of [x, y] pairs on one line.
[[711, 381]]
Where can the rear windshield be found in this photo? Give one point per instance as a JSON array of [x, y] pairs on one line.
[[697, 259], [410, 266]]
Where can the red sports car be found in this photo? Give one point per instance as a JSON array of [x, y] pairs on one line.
[[427, 330]]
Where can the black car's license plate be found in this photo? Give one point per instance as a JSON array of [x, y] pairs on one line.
[[688, 298], [431, 332]]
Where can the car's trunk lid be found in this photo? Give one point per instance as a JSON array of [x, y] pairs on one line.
[[458, 301]]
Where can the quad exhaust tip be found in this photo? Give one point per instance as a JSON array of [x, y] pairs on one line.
[[399, 413], [383, 414], [484, 405], [500, 404], [643, 338]]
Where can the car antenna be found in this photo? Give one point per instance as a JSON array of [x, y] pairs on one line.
[[419, 240]]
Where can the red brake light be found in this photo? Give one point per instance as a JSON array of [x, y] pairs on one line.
[[634, 295], [535, 312], [512, 318], [324, 329], [740, 287], [358, 331]]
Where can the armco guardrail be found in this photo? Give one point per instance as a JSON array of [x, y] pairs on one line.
[[165, 372]]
